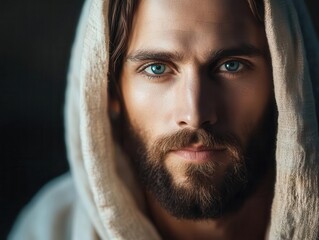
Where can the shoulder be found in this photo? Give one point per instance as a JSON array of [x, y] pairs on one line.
[[49, 214]]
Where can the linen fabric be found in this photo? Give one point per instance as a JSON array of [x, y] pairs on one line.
[[101, 199]]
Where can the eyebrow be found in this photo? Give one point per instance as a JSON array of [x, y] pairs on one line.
[[241, 50], [143, 55], [212, 56]]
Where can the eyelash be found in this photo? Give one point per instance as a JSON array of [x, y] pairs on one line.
[[245, 64], [149, 76]]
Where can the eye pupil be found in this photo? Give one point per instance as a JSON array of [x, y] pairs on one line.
[[232, 66], [158, 68]]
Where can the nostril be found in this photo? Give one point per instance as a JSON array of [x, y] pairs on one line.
[[195, 125], [206, 123], [182, 123], [194, 117]]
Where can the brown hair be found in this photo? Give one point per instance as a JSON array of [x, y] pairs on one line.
[[120, 18]]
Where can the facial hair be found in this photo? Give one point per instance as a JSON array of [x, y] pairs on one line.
[[201, 197]]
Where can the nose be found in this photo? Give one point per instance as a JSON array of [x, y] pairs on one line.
[[196, 102]]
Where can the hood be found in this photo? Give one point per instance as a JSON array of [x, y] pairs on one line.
[[105, 182]]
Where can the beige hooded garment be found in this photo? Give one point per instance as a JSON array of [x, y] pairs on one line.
[[100, 199]]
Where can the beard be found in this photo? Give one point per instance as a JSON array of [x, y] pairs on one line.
[[204, 193]]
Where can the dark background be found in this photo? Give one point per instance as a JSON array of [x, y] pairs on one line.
[[35, 42]]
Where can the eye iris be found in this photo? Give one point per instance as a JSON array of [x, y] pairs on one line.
[[158, 68], [232, 66]]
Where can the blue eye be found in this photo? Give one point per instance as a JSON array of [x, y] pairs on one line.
[[231, 66], [156, 69]]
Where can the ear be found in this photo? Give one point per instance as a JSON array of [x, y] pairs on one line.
[[114, 106]]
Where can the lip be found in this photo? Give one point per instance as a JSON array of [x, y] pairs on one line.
[[199, 154]]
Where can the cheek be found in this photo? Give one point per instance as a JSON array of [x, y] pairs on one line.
[[248, 104], [136, 103], [144, 105]]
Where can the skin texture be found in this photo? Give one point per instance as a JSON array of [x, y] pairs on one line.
[[195, 44]]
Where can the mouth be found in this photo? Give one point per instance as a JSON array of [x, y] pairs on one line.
[[199, 154]]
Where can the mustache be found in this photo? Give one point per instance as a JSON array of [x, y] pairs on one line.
[[207, 137]]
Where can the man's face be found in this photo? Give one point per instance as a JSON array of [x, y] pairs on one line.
[[196, 87]]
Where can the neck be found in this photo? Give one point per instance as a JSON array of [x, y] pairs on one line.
[[249, 222]]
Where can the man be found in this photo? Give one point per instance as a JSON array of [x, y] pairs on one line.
[[172, 125]]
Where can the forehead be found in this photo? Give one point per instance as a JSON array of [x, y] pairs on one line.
[[193, 25], [190, 10]]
